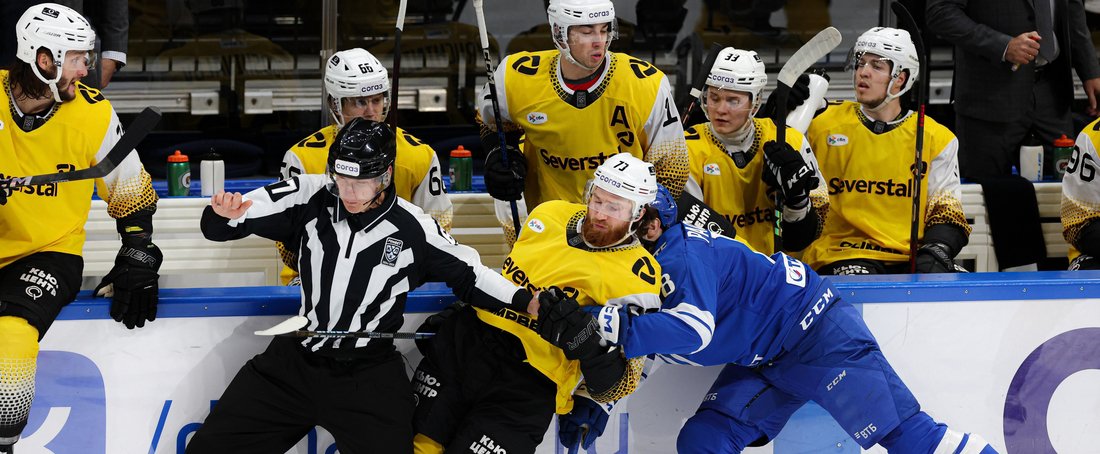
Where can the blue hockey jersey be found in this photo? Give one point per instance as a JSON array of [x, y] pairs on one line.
[[724, 303]]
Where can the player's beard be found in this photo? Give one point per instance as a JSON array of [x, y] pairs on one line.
[[603, 238], [63, 87]]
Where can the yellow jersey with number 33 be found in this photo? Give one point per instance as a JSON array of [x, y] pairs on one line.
[[550, 252]]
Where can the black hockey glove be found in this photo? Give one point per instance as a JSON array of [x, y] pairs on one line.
[[566, 326], [132, 283], [433, 323], [934, 258], [785, 170], [799, 93], [505, 182]]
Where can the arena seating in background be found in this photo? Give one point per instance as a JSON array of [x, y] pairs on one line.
[[192, 261]]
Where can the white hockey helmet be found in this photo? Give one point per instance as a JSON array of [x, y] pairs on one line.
[[891, 44], [567, 13], [737, 70], [628, 177], [57, 29], [353, 73]]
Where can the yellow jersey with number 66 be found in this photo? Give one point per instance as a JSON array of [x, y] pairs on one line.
[[417, 177], [551, 252]]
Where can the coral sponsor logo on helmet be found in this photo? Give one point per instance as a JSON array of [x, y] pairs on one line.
[[837, 140], [712, 169], [599, 14], [348, 168], [606, 179], [536, 225], [537, 118], [720, 79], [371, 88]]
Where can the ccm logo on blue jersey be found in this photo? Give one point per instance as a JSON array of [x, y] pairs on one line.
[[796, 271], [817, 308]]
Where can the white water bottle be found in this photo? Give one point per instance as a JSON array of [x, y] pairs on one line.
[[1031, 161], [212, 174], [800, 117]]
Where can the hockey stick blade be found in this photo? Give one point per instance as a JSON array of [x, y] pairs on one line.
[[817, 47], [292, 327], [289, 325], [133, 135]]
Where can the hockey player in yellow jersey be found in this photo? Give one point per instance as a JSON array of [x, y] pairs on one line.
[[865, 150], [358, 86], [50, 123], [575, 107], [734, 159], [487, 380], [1081, 201]]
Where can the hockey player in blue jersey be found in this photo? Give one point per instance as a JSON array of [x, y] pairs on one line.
[[783, 332]]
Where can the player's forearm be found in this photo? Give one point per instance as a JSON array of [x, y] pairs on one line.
[[217, 228], [666, 333]]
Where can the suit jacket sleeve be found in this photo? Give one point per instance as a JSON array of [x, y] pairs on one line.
[[948, 19], [1083, 54]]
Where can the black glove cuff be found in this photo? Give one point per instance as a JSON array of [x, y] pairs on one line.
[[939, 252], [602, 372], [138, 222], [138, 251]]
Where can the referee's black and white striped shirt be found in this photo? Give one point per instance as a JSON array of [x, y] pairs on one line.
[[356, 269]]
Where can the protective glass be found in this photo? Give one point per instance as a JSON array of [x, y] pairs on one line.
[[860, 60], [716, 98], [357, 190], [609, 205], [77, 60]]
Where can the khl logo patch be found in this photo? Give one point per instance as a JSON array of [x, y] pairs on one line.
[[391, 251]]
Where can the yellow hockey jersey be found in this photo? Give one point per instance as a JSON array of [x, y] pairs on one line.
[[740, 194], [870, 184], [549, 252], [568, 133], [1080, 190], [51, 217], [417, 176]]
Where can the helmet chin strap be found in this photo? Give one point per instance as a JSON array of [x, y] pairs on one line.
[[51, 83]]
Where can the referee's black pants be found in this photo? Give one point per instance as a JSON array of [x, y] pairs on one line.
[[282, 393]]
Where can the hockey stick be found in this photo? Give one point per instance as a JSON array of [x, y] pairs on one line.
[[908, 22], [292, 327], [134, 134], [700, 80], [817, 47], [396, 63], [479, 11]]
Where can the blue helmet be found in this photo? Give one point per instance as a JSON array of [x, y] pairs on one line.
[[665, 206]]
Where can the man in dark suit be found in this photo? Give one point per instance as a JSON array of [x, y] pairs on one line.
[[1013, 62]]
